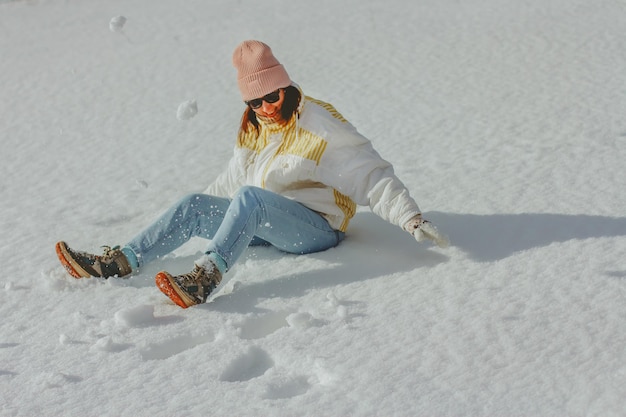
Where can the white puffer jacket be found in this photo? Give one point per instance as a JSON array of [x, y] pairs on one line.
[[320, 160]]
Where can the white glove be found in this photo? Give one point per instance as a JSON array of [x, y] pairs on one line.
[[423, 229]]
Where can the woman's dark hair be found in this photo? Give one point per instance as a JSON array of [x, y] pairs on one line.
[[287, 110]]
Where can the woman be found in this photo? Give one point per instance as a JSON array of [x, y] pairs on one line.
[[298, 171]]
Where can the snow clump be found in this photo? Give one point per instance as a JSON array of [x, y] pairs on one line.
[[187, 110], [117, 23]]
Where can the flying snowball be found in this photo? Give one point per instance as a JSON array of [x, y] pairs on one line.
[[117, 23], [187, 110]]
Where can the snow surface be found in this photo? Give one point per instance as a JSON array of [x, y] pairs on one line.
[[504, 117]]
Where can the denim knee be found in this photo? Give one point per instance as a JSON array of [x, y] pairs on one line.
[[251, 196], [246, 192], [190, 199]]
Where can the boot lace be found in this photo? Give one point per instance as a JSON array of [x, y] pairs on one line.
[[109, 253], [198, 276]]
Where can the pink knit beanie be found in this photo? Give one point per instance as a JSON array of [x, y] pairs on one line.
[[258, 71]]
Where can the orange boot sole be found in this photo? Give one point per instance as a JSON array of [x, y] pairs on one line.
[[164, 283], [70, 266]]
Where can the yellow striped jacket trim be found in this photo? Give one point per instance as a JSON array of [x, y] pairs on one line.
[[308, 146], [331, 109], [346, 205], [305, 144], [250, 140]]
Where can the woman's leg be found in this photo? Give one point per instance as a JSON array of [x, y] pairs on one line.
[[255, 213], [254, 217], [194, 215]]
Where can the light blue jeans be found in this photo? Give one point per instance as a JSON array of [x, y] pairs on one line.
[[253, 217]]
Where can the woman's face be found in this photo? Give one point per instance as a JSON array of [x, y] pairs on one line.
[[269, 110]]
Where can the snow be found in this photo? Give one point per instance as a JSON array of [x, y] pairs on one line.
[[117, 23], [504, 118], [187, 110]]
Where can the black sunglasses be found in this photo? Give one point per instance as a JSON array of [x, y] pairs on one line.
[[272, 97]]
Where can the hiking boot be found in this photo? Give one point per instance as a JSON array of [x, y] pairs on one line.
[[190, 289], [112, 263]]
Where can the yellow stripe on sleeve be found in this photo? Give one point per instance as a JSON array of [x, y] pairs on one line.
[[346, 205]]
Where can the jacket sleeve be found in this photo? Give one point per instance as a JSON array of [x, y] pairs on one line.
[[355, 169]]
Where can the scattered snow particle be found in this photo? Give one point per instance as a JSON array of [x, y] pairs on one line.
[[187, 110], [117, 23], [8, 286], [142, 183], [64, 339]]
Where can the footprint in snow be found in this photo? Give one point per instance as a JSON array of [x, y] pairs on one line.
[[251, 364], [174, 346], [288, 388], [259, 327]]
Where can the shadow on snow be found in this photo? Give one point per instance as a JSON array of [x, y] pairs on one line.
[[374, 248], [493, 237]]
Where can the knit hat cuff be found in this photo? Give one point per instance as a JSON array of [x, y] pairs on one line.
[[263, 82]]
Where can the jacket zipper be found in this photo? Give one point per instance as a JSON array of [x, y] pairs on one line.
[[278, 151]]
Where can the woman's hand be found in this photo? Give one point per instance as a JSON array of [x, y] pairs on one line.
[[424, 230]]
